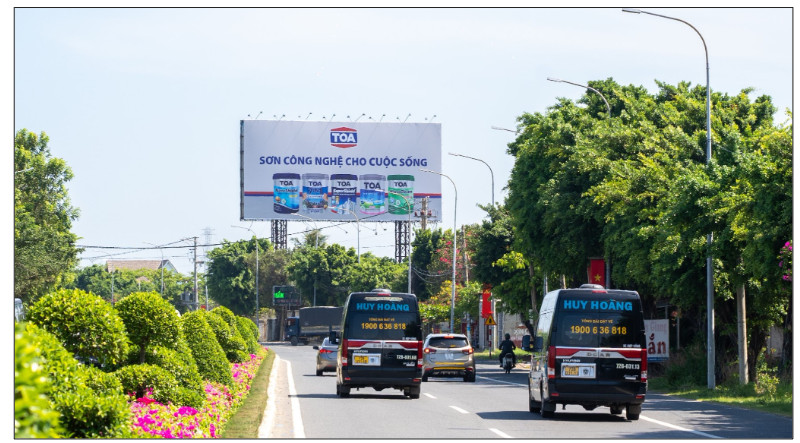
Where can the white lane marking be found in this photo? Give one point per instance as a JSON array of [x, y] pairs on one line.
[[460, 410], [669, 425], [265, 428], [297, 420], [502, 381], [429, 395], [500, 433]]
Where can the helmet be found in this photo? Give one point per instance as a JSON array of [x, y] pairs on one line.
[[508, 336]]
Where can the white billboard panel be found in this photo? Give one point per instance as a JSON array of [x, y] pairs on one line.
[[339, 170]]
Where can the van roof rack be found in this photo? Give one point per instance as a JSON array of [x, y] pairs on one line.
[[591, 286]]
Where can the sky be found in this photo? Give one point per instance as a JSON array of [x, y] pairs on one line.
[[144, 104]]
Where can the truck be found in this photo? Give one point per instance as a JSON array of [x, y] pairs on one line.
[[312, 323]]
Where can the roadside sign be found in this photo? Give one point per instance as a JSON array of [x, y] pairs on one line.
[[490, 321]]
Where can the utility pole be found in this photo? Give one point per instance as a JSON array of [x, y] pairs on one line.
[[195, 272], [424, 214]]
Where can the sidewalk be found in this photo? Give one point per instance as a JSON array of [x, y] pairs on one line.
[[277, 422]]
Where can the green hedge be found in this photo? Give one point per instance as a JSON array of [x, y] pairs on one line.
[[184, 370], [85, 324], [249, 332], [140, 379], [229, 338], [34, 415], [91, 402], [208, 354]]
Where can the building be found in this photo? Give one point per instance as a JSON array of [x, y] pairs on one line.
[[132, 265]]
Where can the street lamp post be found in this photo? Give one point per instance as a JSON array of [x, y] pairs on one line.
[[455, 234], [256, 238], [410, 207], [710, 237], [608, 108], [316, 246], [481, 331], [487, 165]]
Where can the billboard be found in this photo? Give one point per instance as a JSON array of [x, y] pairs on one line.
[[657, 334], [335, 171]]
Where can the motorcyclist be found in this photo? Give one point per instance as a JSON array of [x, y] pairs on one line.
[[507, 347]]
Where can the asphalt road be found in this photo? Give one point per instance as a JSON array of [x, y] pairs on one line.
[[303, 405]]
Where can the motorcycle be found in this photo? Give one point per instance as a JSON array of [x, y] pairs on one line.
[[508, 363]]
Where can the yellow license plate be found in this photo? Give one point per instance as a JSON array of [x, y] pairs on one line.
[[571, 371], [360, 359]]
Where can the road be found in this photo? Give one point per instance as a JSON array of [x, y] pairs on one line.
[[303, 405]]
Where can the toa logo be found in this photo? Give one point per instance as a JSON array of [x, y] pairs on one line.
[[344, 137]]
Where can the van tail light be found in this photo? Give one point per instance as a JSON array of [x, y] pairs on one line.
[[551, 362], [344, 352], [468, 351], [419, 355], [643, 365]]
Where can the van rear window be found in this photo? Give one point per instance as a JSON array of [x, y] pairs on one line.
[[384, 325], [598, 323]]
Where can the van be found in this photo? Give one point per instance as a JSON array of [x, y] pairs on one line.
[[589, 350], [380, 345]]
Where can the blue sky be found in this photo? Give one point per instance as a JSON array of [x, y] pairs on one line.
[[144, 104]]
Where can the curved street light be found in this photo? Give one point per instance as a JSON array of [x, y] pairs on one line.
[[608, 108], [455, 234], [710, 237], [487, 165]]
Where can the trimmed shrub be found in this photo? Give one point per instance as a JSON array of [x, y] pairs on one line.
[[208, 354], [182, 367], [229, 338], [148, 380], [91, 402], [86, 325], [248, 333], [34, 415], [150, 321]]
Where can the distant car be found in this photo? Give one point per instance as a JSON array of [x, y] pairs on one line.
[[326, 357], [448, 355]]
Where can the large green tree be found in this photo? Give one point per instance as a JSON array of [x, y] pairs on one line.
[[232, 269], [44, 246]]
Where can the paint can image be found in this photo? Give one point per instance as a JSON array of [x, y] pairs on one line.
[[286, 192], [372, 194], [401, 193], [315, 193], [343, 193]]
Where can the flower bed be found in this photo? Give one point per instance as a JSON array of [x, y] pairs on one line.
[[152, 419]]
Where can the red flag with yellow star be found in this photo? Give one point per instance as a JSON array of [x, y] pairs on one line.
[[597, 271]]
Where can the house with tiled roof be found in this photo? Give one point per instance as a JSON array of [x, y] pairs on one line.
[[114, 265]]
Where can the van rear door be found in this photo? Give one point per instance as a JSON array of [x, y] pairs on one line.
[[383, 344], [600, 345]]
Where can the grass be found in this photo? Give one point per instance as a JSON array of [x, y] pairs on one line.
[[245, 422], [777, 401]]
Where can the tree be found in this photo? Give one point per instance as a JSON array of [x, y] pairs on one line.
[[634, 188], [44, 247], [232, 269], [150, 321], [326, 268]]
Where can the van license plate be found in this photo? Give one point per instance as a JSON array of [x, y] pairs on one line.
[[577, 371], [367, 359]]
